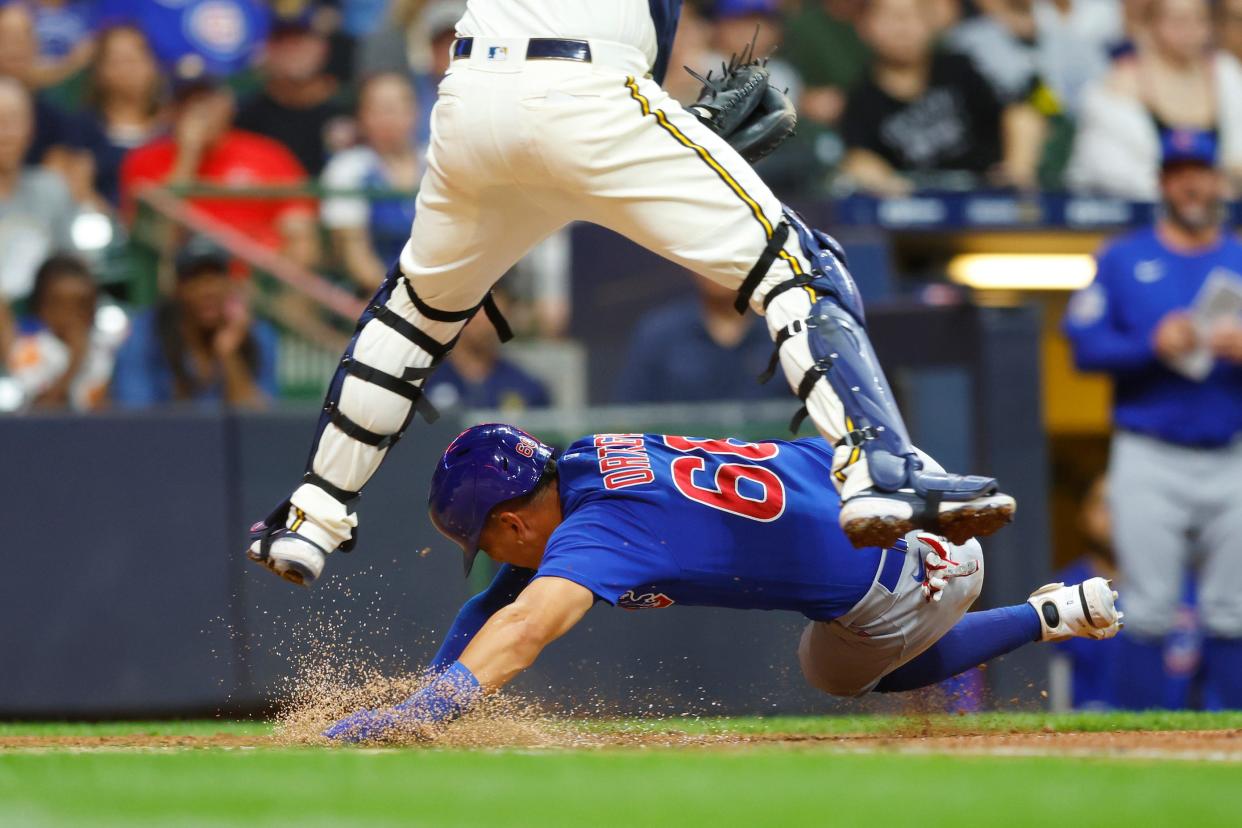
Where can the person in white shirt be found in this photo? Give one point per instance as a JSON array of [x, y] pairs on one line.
[[68, 361]]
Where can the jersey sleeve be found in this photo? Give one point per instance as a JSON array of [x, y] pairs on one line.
[[1101, 339], [601, 546], [504, 589]]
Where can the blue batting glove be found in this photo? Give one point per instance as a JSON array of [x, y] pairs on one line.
[[362, 726], [444, 699]]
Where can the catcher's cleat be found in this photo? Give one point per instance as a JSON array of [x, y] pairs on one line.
[[1086, 610], [287, 551], [876, 518]]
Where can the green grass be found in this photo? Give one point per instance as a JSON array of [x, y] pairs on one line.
[[761, 785]]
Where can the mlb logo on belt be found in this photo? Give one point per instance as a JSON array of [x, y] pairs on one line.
[[497, 52]]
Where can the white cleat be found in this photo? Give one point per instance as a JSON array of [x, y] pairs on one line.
[[290, 556], [1086, 610]]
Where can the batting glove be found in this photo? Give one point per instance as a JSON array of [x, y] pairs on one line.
[[441, 701], [938, 567]]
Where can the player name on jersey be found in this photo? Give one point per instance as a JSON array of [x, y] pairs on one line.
[[623, 460]]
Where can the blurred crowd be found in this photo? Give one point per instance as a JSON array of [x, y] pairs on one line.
[[100, 99], [1134, 99]]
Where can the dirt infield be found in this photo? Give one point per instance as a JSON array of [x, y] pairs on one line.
[[1217, 745]]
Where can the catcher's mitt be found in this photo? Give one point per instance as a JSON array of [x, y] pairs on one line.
[[741, 107]]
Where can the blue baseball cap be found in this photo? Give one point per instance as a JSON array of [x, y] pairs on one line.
[[724, 9], [482, 468], [1188, 146]]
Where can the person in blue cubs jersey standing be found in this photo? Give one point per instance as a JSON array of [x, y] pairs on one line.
[[1175, 468], [652, 521]]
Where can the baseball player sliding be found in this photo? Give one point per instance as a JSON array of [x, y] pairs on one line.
[[552, 112], [647, 521]]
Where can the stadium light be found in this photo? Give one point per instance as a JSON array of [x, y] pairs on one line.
[[1022, 271]]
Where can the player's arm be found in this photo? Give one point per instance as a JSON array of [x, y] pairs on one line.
[[514, 637], [503, 590], [1100, 341], [507, 644]]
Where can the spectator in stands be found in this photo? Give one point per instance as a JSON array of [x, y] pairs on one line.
[[8, 328], [691, 47], [368, 234], [1043, 51], [67, 361], [802, 165], [921, 118], [735, 23], [299, 105], [822, 43], [65, 30], [1176, 456], [203, 147], [60, 140], [437, 24], [36, 210], [388, 48], [697, 350], [475, 375], [1174, 80], [215, 37], [125, 97], [1229, 26], [201, 345]]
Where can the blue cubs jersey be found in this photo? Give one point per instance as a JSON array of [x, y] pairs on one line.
[[655, 520], [1111, 324]]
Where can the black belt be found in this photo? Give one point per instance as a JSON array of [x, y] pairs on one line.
[[537, 48]]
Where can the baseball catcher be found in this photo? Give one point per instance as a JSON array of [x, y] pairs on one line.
[[552, 112], [651, 521]]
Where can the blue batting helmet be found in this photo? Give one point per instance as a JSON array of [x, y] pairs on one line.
[[482, 468]]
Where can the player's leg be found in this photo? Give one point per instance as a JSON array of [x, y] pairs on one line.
[[1151, 516], [896, 639], [661, 178], [1052, 613], [468, 230], [1220, 576], [895, 621], [978, 638]]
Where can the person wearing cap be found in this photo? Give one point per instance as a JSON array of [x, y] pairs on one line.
[[653, 521], [200, 345], [300, 103], [1176, 457], [205, 148], [736, 22], [1175, 78]]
